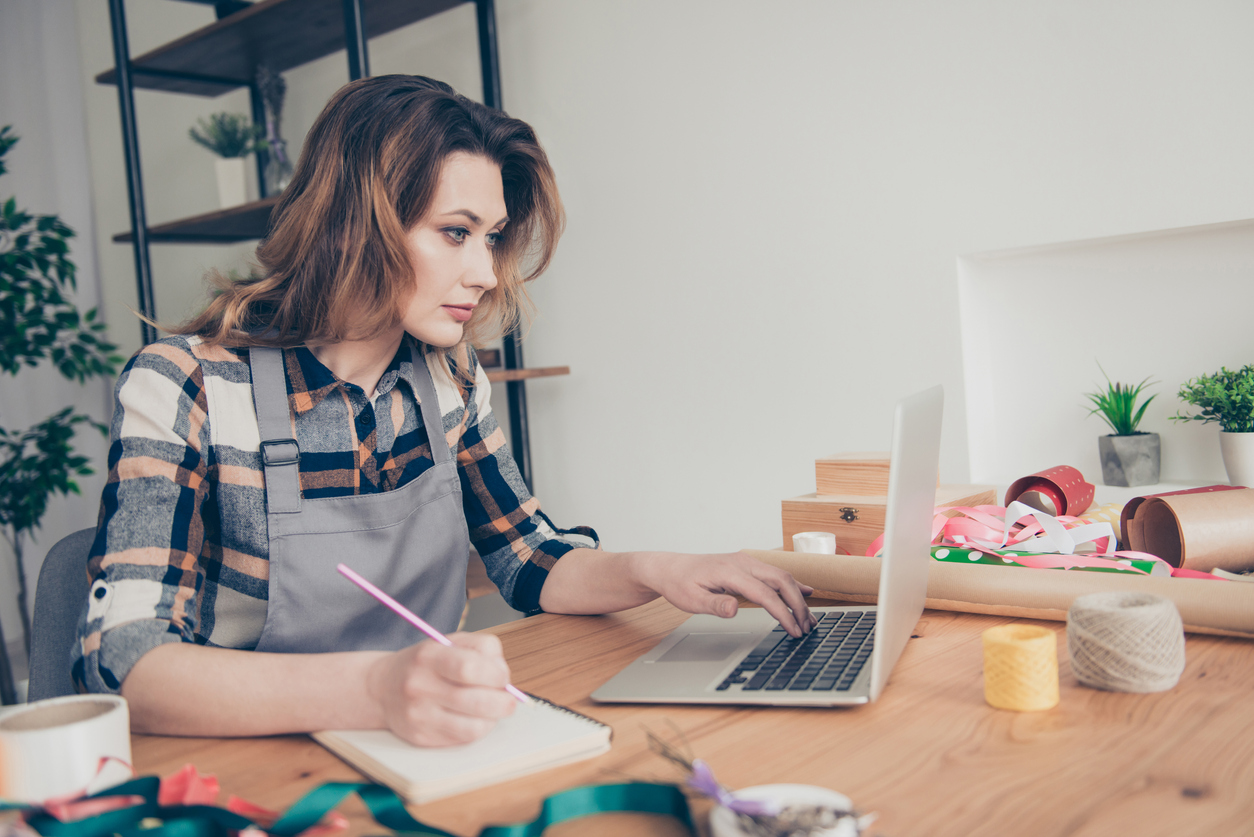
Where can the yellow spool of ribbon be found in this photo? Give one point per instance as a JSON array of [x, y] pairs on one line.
[[1108, 513], [1021, 668]]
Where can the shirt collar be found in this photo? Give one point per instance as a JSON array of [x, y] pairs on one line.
[[312, 381]]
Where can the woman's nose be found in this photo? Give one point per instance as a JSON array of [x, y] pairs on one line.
[[480, 272]]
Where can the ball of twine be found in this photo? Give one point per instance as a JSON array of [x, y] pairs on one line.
[[1021, 667], [1125, 642]]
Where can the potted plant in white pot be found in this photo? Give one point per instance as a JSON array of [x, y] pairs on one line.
[[1227, 397], [231, 136], [1129, 456]]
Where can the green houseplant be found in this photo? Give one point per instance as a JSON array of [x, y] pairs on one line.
[[232, 137], [1227, 398], [38, 322], [1129, 456]]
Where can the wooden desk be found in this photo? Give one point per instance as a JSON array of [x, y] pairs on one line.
[[931, 757]]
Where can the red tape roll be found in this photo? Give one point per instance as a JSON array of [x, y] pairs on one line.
[[1062, 485]]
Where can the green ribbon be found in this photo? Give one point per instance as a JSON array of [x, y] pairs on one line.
[[636, 797], [385, 806]]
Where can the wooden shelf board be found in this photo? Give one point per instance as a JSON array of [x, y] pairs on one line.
[[224, 55], [497, 375], [245, 222]]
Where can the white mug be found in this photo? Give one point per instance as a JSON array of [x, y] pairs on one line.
[[66, 745]]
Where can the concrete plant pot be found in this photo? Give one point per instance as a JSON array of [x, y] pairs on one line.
[[1238, 454], [1131, 460]]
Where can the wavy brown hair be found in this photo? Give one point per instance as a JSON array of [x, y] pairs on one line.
[[335, 265]]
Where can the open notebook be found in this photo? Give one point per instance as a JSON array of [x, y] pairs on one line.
[[539, 735]]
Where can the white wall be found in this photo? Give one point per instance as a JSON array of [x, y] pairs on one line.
[[1040, 324], [767, 203]]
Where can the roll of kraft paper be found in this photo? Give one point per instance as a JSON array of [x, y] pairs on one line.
[[1021, 667], [1212, 607], [1128, 519], [1059, 490], [65, 745], [1199, 531]]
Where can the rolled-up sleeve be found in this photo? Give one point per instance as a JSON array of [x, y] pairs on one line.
[[144, 564], [517, 542]]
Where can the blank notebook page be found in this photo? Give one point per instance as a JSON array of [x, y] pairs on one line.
[[537, 736]]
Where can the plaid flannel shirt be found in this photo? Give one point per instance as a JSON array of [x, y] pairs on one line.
[[181, 551]]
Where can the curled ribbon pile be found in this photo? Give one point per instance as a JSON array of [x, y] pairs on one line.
[[1021, 535], [1032, 538]]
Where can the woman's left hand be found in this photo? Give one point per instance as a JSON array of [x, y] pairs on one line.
[[710, 584]]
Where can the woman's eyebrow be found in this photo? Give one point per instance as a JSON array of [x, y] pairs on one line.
[[472, 217]]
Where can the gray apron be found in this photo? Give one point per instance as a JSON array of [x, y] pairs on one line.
[[412, 541]]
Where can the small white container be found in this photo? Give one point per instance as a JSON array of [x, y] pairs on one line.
[[66, 745], [725, 823], [232, 181], [815, 543]]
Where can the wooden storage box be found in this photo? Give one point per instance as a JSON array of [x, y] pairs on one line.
[[852, 474], [856, 520]]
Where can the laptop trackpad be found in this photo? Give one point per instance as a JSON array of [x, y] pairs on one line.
[[705, 648]]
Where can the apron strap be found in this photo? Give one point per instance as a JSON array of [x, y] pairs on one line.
[[280, 454], [430, 406]]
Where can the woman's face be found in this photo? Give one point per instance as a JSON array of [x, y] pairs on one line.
[[451, 249]]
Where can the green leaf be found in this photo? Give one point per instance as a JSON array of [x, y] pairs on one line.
[[227, 134], [1226, 397], [35, 464], [1117, 405]]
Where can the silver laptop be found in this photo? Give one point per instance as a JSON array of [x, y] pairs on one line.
[[846, 659]]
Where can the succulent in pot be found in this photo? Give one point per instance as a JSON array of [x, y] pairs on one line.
[[1129, 456]]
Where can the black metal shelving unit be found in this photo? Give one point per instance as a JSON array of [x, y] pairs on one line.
[[222, 57]]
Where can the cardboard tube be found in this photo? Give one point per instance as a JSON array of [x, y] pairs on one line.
[[1199, 531], [1205, 606]]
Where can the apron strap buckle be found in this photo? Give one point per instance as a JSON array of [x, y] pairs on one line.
[[276, 452]]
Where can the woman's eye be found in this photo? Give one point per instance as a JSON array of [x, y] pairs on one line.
[[458, 234], [494, 239]]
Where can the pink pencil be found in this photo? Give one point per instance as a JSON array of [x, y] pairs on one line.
[[412, 618]]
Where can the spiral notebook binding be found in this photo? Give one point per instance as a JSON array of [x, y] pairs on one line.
[[559, 707]]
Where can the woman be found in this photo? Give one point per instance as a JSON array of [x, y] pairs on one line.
[[287, 429]]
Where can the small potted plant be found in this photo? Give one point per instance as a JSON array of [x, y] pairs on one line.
[[1226, 397], [231, 136], [1129, 456]]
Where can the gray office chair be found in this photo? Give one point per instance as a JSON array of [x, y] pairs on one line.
[[59, 595]]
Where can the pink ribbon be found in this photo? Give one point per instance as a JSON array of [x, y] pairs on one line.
[[994, 528]]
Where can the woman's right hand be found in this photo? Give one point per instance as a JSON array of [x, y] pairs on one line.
[[435, 695]]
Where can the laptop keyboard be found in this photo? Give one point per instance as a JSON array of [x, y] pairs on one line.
[[828, 658]]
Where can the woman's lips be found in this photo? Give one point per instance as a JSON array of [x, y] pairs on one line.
[[461, 313]]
